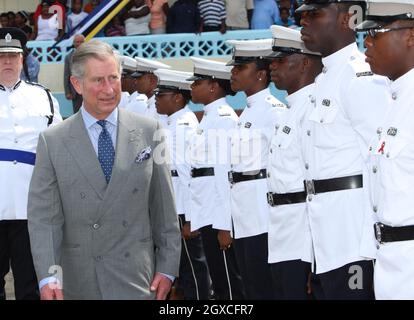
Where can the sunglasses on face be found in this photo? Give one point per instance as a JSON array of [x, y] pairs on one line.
[[373, 32]]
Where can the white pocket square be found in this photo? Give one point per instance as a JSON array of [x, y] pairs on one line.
[[145, 154]]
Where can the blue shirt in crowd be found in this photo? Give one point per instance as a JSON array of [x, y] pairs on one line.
[[266, 13]]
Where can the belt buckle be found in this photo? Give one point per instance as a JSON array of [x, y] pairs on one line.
[[270, 199], [309, 187], [377, 227], [230, 176]]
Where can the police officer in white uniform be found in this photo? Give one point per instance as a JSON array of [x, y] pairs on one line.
[[348, 103], [26, 109], [171, 99], [249, 158], [293, 68], [209, 188], [131, 99], [146, 83], [390, 52]]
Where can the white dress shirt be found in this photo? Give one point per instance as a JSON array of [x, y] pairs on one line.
[[348, 105], [289, 234], [392, 180], [249, 152]]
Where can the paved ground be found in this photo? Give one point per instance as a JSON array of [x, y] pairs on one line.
[[9, 287]]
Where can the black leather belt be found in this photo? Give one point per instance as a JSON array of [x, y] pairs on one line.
[[235, 177], [277, 199], [174, 173], [384, 233], [335, 184], [202, 172]]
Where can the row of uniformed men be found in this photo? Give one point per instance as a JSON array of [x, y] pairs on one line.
[[309, 225]]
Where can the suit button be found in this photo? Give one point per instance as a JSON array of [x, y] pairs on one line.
[[125, 223], [135, 190], [96, 226], [127, 255]]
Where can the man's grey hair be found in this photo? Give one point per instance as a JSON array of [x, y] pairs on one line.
[[92, 49]]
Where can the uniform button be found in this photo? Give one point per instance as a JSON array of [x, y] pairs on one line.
[[321, 121], [127, 255], [374, 169], [16, 141], [96, 226], [135, 190], [189, 185], [394, 96], [271, 150], [387, 155], [313, 100], [379, 130], [15, 162], [279, 145], [370, 148], [268, 175], [375, 208], [324, 69], [308, 133], [310, 197], [306, 166]]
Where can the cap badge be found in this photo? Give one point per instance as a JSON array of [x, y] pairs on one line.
[[8, 37]]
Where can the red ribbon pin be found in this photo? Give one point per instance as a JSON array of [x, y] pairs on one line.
[[381, 149]]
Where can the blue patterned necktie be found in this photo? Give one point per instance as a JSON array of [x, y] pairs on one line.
[[106, 152]]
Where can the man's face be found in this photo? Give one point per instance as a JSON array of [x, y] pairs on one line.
[[285, 71], [384, 50], [146, 84], [320, 28], [100, 86], [78, 40], [11, 65], [128, 83]]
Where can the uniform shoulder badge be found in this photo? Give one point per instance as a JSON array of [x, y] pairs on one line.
[[326, 102]]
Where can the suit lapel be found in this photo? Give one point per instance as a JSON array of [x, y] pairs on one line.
[[80, 147]]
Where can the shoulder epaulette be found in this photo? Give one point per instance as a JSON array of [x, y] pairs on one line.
[[49, 96], [364, 74], [224, 111]]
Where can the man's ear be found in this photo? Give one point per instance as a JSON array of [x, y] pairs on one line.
[[410, 40], [76, 84]]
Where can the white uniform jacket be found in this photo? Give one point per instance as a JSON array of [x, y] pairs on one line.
[[210, 195], [23, 116], [249, 152], [180, 127], [348, 105], [289, 234], [392, 180]]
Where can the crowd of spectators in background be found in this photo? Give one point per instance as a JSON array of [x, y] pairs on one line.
[[140, 17]]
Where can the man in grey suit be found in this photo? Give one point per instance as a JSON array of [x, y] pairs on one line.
[[101, 210], [70, 92]]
